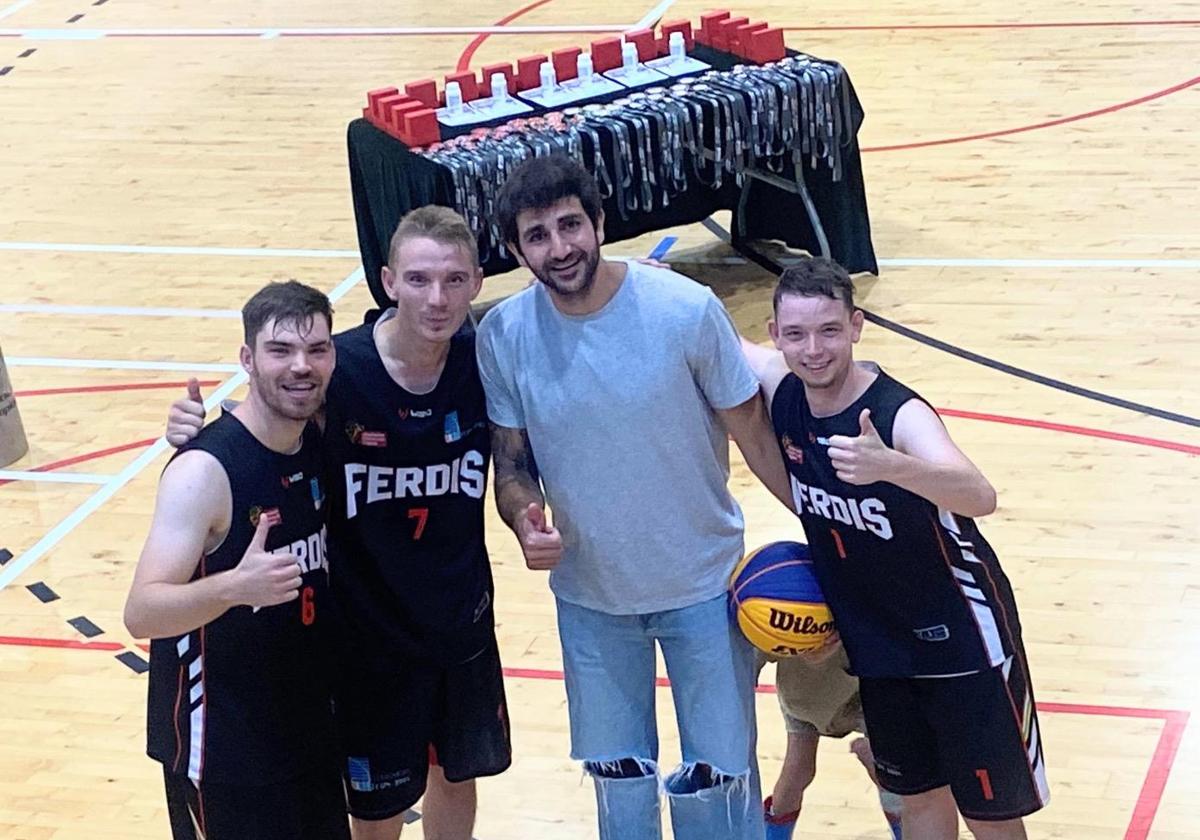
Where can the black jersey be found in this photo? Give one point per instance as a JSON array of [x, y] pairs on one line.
[[246, 698], [914, 590], [407, 475]]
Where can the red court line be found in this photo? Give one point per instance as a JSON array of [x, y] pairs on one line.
[[1083, 431], [464, 60], [1071, 24], [87, 456], [100, 389], [1120, 106], [25, 641], [1149, 799], [1072, 430]]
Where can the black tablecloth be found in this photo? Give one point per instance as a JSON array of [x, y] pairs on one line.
[[387, 180]]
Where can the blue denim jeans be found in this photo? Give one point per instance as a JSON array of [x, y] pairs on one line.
[[609, 662]]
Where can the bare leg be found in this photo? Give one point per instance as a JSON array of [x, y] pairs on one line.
[[931, 815], [1004, 830], [388, 829], [449, 812], [799, 769]]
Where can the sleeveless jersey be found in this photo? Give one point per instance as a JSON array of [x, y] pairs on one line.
[[914, 590], [245, 699], [407, 475]]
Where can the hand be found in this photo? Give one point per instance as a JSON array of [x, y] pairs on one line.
[[864, 459], [653, 263], [186, 417], [828, 648], [263, 579], [541, 543]]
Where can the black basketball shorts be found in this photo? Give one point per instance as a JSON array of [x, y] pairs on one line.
[[977, 733], [394, 725], [308, 807]]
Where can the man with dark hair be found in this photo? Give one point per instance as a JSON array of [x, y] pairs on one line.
[[926, 615], [613, 386], [231, 588], [420, 695]]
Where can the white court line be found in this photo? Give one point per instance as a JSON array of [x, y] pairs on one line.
[[119, 364], [62, 34], [332, 253], [17, 565], [132, 311], [53, 477], [956, 262], [195, 250], [14, 8], [654, 15]]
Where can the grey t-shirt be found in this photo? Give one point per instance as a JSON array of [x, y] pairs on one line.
[[619, 405]]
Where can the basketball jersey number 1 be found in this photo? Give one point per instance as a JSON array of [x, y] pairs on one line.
[[838, 544]]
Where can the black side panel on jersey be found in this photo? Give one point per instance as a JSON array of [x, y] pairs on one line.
[[245, 699], [407, 475], [915, 591]]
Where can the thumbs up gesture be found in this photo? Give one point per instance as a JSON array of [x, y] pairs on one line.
[[263, 579], [864, 459], [186, 416], [541, 543]]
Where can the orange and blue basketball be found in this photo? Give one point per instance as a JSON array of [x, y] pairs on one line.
[[775, 599]]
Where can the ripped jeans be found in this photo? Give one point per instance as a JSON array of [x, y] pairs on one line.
[[609, 662]]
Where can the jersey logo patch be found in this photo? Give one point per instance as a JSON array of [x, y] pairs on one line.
[[362, 437], [416, 414], [450, 429], [940, 633], [288, 480], [794, 453]]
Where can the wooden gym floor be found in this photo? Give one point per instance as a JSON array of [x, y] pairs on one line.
[[1031, 169]]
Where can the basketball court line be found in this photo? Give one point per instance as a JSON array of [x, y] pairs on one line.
[[119, 364], [1082, 431], [53, 477], [14, 8], [116, 386], [18, 565], [652, 17], [189, 250], [130, 311], [336, 253], [63, 34], [1145, 809], [773, 265]]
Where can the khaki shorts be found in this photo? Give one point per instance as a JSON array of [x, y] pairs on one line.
[[821, 698]]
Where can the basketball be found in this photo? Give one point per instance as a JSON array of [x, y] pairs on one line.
[[775, 599]]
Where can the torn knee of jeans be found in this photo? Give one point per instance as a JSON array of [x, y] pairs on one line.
[[621, 768], [697, 777]]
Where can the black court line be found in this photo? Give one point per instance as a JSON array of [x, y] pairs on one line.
[[75, 18], [100, 2], [28, 52], [42, 592], [1087, 393], [133, 662], [5, 556], [4, 71], [85, 626]]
